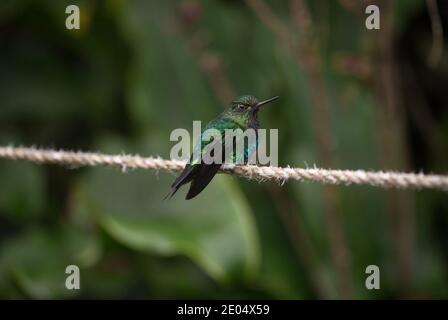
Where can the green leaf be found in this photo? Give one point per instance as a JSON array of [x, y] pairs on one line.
[[35, 262], [22, 193], [216, 229]]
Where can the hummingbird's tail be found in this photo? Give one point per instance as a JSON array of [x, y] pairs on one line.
[[185, 177], [171, 193]]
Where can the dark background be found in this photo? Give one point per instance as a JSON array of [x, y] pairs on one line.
[[350, 98]]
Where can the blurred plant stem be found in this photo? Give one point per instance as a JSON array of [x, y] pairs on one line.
[[212, 66], [437, 33], [392, 147], [209, 63], [352, 6], [293, 224], [307, 57]]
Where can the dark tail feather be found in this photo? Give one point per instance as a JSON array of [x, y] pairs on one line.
[[202, 179], [186, 176], [171, 193]]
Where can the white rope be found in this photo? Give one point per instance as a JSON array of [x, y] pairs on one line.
[[384, 179]]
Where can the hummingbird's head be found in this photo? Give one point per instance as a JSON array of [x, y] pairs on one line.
[[247, 106]]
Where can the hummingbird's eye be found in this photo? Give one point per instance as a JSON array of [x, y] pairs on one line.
[[240, 107]]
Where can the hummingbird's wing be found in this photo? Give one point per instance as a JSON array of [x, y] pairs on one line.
[[205, 172], [199, 170], [206, 169]]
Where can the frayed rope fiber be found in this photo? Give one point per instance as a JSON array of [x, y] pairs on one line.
[[384, 179]]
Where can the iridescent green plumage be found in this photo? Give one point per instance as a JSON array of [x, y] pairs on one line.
[[241, 114]]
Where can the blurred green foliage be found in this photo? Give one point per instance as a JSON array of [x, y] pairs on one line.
[[127, 78]]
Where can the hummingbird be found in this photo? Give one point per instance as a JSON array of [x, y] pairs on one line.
[[242, 113]]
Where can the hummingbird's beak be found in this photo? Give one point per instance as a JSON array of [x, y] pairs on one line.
[[259, 104]]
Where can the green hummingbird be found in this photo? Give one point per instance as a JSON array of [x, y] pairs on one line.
[[242, 113]]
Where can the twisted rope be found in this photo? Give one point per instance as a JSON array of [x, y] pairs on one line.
[[383, 179]]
